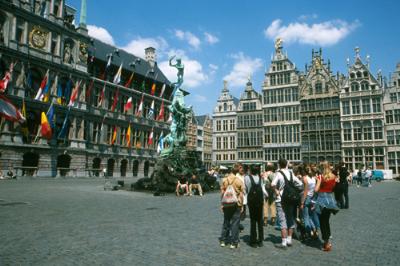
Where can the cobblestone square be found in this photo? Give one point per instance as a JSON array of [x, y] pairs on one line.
[[76, 222]]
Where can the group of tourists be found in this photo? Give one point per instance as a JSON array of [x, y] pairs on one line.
[[297, 199]]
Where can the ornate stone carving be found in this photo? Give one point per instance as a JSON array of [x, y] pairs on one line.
[[83, 52], [38, 37], [67, 57]]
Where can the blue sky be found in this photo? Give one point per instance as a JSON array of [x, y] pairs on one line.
[[231, 40]]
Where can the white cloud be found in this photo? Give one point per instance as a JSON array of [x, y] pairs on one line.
[[243, 68], [137, 46], [211, 39], [212, 69], [192, 39], [100, 33], [194, 75], [324, 34]]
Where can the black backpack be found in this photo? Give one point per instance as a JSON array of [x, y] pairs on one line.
[[291, 194], [256, 195]]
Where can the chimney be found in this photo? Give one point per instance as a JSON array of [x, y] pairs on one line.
[[150, 55]]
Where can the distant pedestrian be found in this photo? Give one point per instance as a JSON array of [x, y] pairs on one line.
[[256, 193], [231, 205], [344, 178], [368, 176], [195, 184], [326, 203], [284, 179], [359, 177]]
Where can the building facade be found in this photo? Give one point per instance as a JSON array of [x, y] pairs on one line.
[[249, 127], [46, 48], [391, 105], [204, 139], [281, 108], [319, 113], [362, 118], [224, 128]]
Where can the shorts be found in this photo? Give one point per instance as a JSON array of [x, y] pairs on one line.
[[285, 216]]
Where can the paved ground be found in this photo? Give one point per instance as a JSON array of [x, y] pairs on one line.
[[76, 222]]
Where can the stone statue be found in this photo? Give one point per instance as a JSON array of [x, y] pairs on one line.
[[278, 44], [180, 67], [67, 53]]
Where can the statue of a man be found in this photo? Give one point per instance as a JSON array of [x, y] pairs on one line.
[[180, 67], [278, 44]]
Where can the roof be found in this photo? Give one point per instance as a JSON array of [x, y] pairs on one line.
[[141, 66], [201, 119], [236, 101]]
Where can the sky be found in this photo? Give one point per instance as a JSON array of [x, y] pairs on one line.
[[234, 40]]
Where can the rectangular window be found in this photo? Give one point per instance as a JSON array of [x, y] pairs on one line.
[[397, 115], [376, 105], [393, 97], [232, 142], [366, 106], [367, 132], [397, 137], [389, 117], [225, 143], [347, 134], [357, 132], [358, 158], [225, 125], [20, 31], [232, 125], [378, 130], [54, 44], [355, 105], [392, 161], [346, 107]]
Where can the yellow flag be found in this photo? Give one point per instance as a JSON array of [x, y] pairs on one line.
[[128, 136], [114, 136]]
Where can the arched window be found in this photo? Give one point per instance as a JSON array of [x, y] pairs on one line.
[[135, 167], [355, 86], [365, 73], [364, 86], [352, 75], [358, 74]]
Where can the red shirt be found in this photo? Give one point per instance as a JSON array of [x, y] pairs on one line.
[[327, 185]]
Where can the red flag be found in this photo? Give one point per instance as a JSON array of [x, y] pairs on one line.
[[42, 86], [9, 111], [153, 89], [150, 141], [129, 82], [115, 100], [128, 105], [74, 94], [161, 113], [45, 127], [89, 90], [6, 79]]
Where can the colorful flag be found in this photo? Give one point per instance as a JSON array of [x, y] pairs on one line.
[[150, 141], [129, 82], [64, 128], [150, 114], [74, 94], [128, 137], [160, 116], [128, 104], [50, 115], [143, 86], [115, 100], [160, 145], [59, 93], [101, 97], [43, 85], [139, 111], [6, 79], [153, 89], [9, 111], [114, 136], [117, 77], [29, 81], [162, 91], [46, 92], [45, 127], [104, 75], [24, 126], [67, 92]]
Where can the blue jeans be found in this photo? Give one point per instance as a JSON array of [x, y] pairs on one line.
[[230, 228], [311, 220]]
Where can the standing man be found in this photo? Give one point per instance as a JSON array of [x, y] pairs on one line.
[[284, 210], [368, 176], [230, 227]]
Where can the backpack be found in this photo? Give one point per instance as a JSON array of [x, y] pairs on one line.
[[291, 194], [229, 198], [256, 195]]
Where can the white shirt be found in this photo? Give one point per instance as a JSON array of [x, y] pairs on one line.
[[279, 182], [311, 182]]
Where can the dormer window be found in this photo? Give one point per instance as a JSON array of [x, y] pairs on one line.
[[249, 95], [358, 74], [364, 86], [354, 86], [225, 107], [352, 75], [365, 74], [318, 88]]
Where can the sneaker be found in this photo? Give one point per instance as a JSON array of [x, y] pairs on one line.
[[289, 244], [233, 246], [260, 244], [222, 244], [280, 246]]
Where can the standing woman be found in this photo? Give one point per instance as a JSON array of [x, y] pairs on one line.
[[326, 202]]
